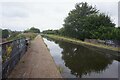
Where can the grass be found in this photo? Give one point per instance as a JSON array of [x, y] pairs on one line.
[[22, 35], [72, 40], [28, 35]]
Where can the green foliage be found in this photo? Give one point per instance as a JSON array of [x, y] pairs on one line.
[[115, 34], [7, 54], [75, 23], [50, 32], [77, 41], [32, 30], [86, 21], [5, 33], [13, 35], [27, 35]]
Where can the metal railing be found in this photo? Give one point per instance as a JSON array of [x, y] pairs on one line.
[[12, 52]]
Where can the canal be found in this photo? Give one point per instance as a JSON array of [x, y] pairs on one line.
[[75, 61]]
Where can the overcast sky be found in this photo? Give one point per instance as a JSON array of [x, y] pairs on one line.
[[46, 14]]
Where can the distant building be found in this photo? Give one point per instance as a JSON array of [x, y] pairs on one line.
[[119, 13]]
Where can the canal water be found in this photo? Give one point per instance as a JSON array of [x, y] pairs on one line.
[[75, 61]]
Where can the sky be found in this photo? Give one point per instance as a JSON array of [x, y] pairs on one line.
[[46, 14], [119, 13]]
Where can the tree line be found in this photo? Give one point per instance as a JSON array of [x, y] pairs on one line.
[[85, 21], [32, 30], [9, 34]]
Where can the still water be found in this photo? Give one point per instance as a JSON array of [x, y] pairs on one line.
[[78, 61]]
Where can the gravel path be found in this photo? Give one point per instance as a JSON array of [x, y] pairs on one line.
[[36, 63]]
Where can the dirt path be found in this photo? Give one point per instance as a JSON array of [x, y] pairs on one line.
[[36, 63]]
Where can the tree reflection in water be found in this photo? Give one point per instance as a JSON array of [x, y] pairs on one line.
[[81, 60]]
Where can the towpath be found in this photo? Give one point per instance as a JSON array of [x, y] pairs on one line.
[[36, 63]]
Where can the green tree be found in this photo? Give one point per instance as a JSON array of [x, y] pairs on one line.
[[51, 32], [75, 22], [33, 30], [84, 22], [5, 33], [115, 34], [96, 22]]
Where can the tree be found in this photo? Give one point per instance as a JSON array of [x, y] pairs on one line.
[[82, 21], [116, 34], [33, 30], [97, 22], [75, 22], [5, 33], [50, 32]]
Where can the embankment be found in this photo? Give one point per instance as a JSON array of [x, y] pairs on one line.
[[101, 48]]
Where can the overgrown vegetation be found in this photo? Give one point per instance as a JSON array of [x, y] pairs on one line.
[[8, 35]]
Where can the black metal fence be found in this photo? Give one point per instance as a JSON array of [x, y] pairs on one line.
[[11, 53]]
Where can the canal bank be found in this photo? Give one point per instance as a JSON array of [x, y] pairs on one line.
[[101, 48], [36, 63]]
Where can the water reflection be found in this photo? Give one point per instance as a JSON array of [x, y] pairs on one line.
[[83, 61]]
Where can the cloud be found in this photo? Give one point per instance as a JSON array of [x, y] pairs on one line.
[[14, 10], [119, 13], [72, 1], [110, 9], [46, 14]]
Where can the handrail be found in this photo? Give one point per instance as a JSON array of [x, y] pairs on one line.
[[12, 51], [10, 41]]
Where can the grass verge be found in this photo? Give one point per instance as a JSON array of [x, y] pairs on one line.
[[100, 47]]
